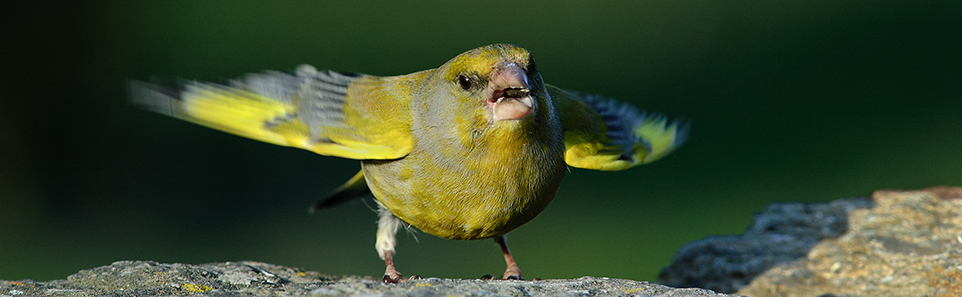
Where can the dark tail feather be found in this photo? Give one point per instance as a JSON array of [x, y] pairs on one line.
[[356, 187]]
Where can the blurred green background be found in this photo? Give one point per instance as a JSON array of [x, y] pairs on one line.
[[789, 101]]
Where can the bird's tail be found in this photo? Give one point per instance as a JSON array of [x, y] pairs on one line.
[[356, 187]]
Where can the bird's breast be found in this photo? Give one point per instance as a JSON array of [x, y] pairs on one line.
[[459, 192]]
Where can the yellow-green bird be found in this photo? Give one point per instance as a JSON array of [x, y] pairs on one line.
[[470, 150]]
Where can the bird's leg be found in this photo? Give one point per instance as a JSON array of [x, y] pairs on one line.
[[390, 273], [386, 240], [513, 272]]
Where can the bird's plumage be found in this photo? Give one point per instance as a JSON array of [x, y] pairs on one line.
[[335, 114], [470, 150]]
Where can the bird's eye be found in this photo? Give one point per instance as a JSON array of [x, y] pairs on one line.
[[464, 81]]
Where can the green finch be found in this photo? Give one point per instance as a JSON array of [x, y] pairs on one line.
[[469, 150]]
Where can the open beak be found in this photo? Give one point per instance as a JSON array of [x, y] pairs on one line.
[[511, 98]]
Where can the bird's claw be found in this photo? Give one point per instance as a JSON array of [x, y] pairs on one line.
[[397, 278], [391, 279], [507, 276], [512, 273]]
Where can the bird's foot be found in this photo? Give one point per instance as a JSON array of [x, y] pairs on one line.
[[397, 278], [391, 276], [387, 279], [507, 276], [512, 273]]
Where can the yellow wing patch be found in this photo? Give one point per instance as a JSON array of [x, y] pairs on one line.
[[243, 113], [661, 136], [602, 134], [325, 112]]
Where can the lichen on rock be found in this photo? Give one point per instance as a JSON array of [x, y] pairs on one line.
[[909, 244], [782, 233], [894, 243]]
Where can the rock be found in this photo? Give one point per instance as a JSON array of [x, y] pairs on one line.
[[141, 278], [896, 243], [909, 244], [783, 232]]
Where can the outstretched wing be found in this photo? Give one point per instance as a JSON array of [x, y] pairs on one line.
[[604, 134], [337, 114]]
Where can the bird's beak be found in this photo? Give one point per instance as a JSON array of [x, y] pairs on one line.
[[511, 98]]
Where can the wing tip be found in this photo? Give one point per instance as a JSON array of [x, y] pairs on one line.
[[678, 129], [157, 96], [682, 130]]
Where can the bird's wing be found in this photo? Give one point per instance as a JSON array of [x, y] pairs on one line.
[[604, 134], [337, 114]]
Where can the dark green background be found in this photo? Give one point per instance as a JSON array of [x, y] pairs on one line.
[[795, 101]]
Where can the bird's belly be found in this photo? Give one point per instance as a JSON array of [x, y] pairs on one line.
[[464, 204], [468, 220]]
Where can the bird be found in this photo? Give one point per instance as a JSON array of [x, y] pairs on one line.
[[470, 150]]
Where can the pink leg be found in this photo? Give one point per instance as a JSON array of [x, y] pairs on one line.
[[390, 274], [513, 272], [386, 231]]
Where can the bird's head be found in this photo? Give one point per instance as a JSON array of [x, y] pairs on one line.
[[498, 80]]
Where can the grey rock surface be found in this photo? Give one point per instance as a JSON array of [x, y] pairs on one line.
[[782, 233], [145, 278], [894, 243], [909, 244]]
